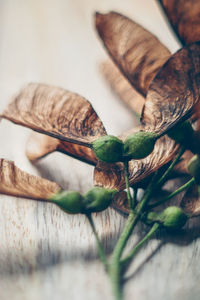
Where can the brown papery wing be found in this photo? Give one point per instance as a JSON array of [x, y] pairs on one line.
[[112, 175], [122, 87], [191, 201], [55, 112], [184, 17], [174, 92], [138, 54], [16, 182], [40, 145]]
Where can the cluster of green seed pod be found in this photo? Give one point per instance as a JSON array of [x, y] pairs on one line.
[[111, 149], [95, 200], [172, 218]]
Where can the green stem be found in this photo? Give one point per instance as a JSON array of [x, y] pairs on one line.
[[168, 171], [126, 175], [132, 253], [179, 190], [99, 244], [115, 268]]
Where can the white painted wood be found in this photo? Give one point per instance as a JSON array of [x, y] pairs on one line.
[[44, 253]]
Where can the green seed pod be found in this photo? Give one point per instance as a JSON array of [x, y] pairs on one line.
[[98, 199], [139, 145], [194, 168], [70, 201], [108, 148], [173, 218]]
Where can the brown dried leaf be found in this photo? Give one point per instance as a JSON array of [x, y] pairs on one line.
[[39, 145], [184, 17], [16, 182], [191, 201], [55, 112], [122, 87], [137, 53], [174, 91]]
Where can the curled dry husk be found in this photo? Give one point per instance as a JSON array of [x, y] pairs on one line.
[[184, 18], [16, 182]]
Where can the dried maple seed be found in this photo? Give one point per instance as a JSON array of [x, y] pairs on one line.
[[108, 148], [194, 168], [138, 53], [139, 145], [173, 217], [60, 114], [70, 201], [98, 199]]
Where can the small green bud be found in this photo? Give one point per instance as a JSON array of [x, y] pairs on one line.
[[173, 218], [70, 201], [139, 145], [98, 199], [194, 168], [108, 148], [150, 217]]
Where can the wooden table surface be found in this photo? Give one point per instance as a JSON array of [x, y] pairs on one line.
[[44, 253]]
